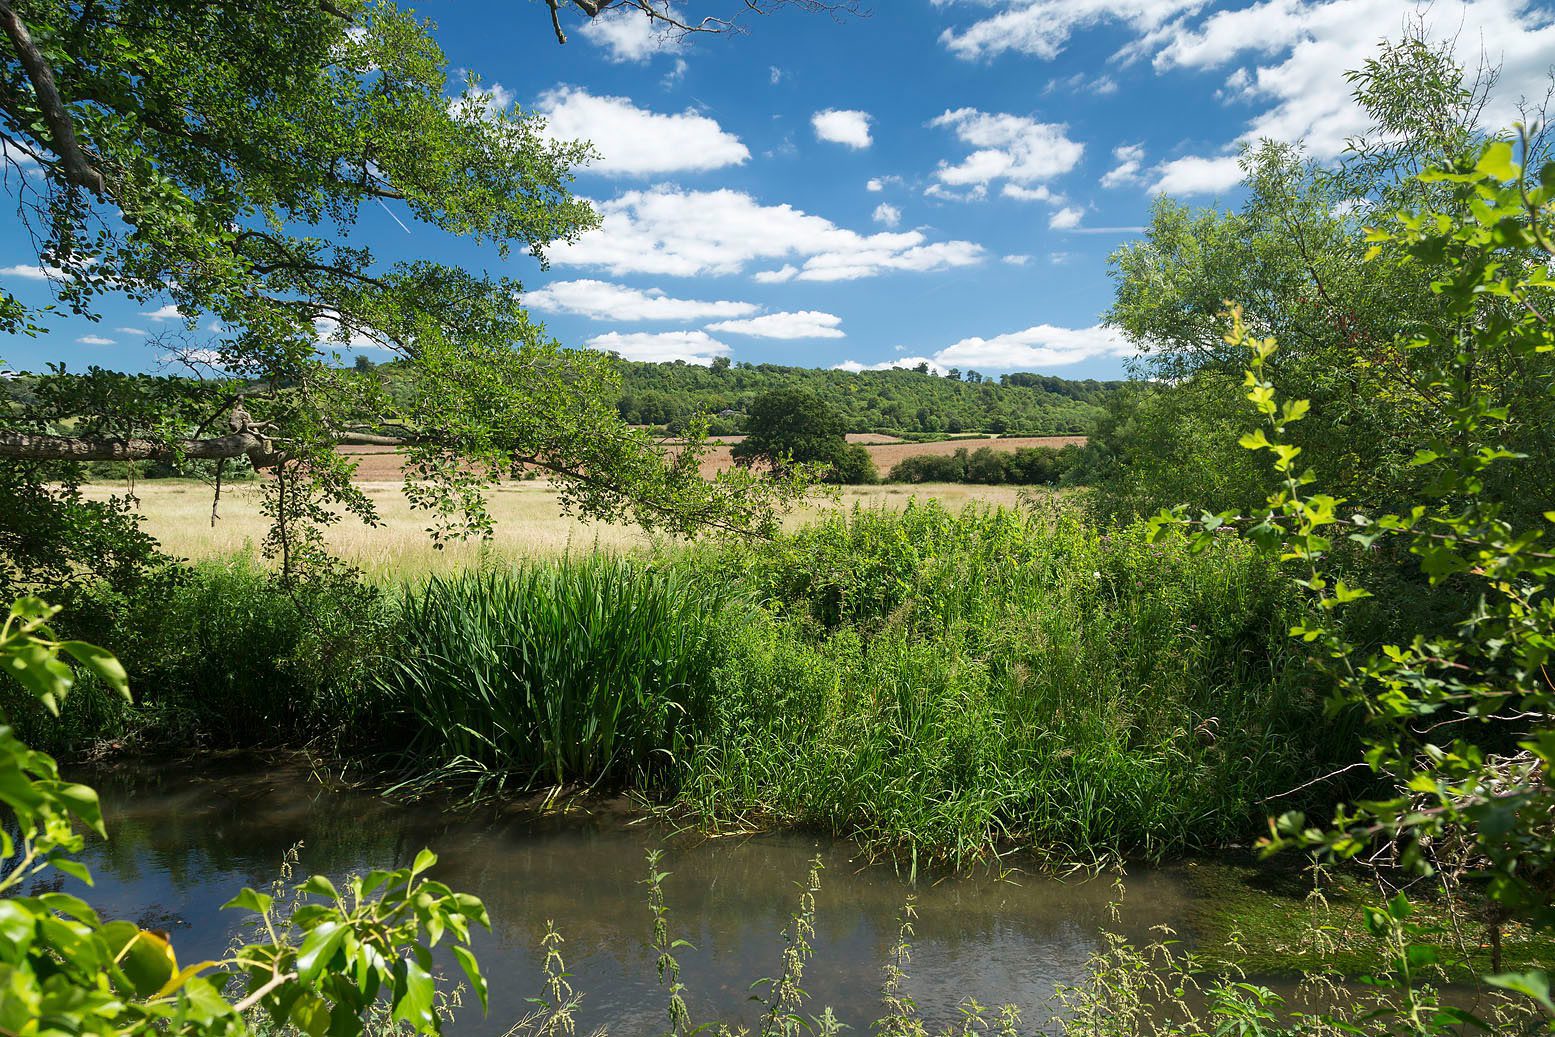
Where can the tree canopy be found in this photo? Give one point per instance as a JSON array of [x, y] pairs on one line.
[[222, 155], [1297, 257], [791, 425], [891, 401]]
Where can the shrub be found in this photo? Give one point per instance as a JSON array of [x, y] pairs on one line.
[[226, 654], [931, 468], [952, 682], [853, 467]]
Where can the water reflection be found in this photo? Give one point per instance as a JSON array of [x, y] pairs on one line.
[[185, 838]]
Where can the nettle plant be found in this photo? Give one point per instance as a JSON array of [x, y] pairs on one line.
[[1460, 713], [337, 959]]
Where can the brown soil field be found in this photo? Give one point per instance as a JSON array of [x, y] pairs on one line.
[[382, 464]]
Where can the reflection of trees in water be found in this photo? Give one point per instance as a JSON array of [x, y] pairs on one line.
[[729, 898], [185, 823], [13, 831]]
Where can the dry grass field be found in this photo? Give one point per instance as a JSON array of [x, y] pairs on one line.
[[382, 464], [529, 523]]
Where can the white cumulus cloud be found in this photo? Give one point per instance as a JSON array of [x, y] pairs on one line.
[[800, 324], [1195, 175], [1066, 218], [887, 215], [1284, 58], [333, 335], [1041, 28], [906, 363], [603, 300], [627, 35], [1044, 345], [633, 141], [842, 126], [673, 232], [1297, 51], [32, 272], [95, 340], [168, 312], [1127, 160], [1015, 149], [693, 347]]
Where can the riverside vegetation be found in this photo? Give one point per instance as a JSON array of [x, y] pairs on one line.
[[1075, 683], [947, 683]]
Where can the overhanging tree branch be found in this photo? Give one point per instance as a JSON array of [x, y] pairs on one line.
[[258, 448], [73, 162], [37, 446]]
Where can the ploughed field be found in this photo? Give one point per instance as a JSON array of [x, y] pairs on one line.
[[381, 464]]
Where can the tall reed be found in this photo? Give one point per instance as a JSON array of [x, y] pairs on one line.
[[572, 670]]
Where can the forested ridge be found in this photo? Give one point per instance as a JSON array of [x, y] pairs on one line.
[[891, 401]]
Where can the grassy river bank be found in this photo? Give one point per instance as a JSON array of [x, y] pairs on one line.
[[947, 688], [950, 685]]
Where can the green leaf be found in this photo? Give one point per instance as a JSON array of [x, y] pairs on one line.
[[310, 1014], [1530, 984], [321, 886], [39, 671], [424, 860], [147, 961], [413, 991], [30, 609], [74, 868], [318, 947], [1497, 161], [1255, 440], [250, 900], [102, 663], [74, 907], [82, 801], [17, 925], [472, 972]]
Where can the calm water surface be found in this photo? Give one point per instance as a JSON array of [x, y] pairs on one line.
[[185, 838]]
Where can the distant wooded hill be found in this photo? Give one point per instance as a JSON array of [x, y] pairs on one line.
[[894, 401]]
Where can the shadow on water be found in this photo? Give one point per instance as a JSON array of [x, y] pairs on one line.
[[185, 837]]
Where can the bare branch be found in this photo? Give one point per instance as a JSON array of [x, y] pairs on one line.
[[660, 11]]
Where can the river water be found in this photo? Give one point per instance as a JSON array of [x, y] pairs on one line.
[[185, 837]]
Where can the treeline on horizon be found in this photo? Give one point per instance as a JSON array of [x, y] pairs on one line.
[[893, 402], [898, 401]]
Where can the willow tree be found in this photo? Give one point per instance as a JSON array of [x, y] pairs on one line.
[[221, 155]]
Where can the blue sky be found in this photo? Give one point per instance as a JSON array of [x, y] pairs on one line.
[[939, 180]]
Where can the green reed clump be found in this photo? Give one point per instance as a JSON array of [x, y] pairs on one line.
[[573, 670], [948, 684]]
